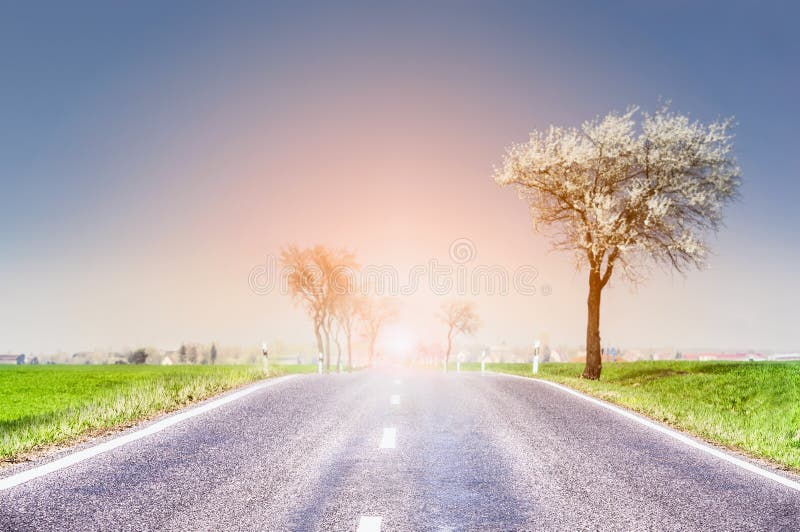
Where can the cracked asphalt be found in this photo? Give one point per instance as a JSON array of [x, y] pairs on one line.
[[473, 452]]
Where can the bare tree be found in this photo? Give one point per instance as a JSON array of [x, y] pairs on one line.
[[348, 311], [317, 277], [191, 354], [375, 313], [460, 317], [622, 191], [336, 330]]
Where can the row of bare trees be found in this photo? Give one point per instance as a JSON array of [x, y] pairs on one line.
[[323, 281]]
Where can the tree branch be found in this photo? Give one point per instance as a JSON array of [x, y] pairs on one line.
[[609, 267]]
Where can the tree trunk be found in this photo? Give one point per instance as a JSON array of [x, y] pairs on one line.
[[449, 346], [318, 335], [349, 353], [594, 362], [338, 352], [327, 350]]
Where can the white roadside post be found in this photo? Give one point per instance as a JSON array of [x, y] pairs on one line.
[[458, 361], [444, 365], [483, 361], [339, 367], [535, 368], [319, 363], [265, 353]]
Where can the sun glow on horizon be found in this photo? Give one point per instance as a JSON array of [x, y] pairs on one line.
[[398, 341]]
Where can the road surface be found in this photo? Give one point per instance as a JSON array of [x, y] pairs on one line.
[[401, 451]]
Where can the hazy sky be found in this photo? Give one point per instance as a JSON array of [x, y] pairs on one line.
[[153, 154]]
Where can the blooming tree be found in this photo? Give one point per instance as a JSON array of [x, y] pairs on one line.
[[625, 189]]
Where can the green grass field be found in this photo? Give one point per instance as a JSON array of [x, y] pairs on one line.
[[750, 406], [47, 405]]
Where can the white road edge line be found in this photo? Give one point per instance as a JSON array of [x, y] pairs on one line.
[[90, 452], [388, 439], [369, 523], [394, 400], [738, 462]]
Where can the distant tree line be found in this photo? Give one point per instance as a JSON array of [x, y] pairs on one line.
[[194, 354]]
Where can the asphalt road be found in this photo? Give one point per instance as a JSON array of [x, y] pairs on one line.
[[470, 452]]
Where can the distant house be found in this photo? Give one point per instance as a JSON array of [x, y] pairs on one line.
[[12, 359], [167, 361]]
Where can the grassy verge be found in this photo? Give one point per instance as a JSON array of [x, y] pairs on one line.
[[43, 406], [749, 406]]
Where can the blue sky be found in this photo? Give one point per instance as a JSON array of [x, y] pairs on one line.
[[153, 152]]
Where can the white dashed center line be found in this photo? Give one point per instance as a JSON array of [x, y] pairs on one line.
[[394, 400], [387, 441], [369, 523], [398, 382]]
